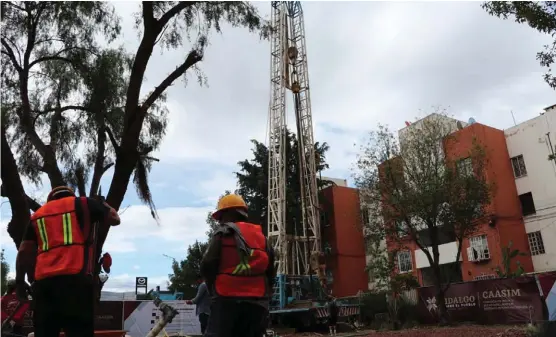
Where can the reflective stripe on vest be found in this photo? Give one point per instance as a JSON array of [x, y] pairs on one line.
[[65, 246], [243, 275], [68, 238], [42, 232]]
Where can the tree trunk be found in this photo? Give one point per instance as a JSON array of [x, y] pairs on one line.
[[13, 189], [443, 316]]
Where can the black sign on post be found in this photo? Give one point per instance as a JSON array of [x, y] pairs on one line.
[[141, 283]]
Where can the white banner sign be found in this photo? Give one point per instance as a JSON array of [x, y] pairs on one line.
[[143, 318]]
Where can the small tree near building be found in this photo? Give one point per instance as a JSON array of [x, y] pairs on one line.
[[416, 194]]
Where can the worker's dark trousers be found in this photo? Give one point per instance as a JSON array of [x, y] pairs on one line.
[[229, 318], [64, 303]]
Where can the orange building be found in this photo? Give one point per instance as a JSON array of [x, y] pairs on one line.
[[482, 252], [342, 240]]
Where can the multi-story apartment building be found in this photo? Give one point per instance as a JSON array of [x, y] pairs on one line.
[[529, 145], [504, 223]]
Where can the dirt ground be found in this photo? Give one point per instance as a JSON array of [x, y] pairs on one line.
[[466, 331]]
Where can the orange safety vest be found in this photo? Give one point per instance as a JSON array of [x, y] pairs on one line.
[[65, 238], [243, 276]]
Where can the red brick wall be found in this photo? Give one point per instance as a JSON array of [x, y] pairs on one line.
[[504, 206], [345, 236]]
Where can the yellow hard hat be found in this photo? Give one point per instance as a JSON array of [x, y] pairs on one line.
[[228, 202]]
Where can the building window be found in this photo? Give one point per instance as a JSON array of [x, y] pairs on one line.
[[478, 248], [402, 229], [404, 262], [527, 204], [518, 164], [536, 243], [365, 216], [464, 167]]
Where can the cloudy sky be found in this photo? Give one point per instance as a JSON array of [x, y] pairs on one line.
[[369, 63]]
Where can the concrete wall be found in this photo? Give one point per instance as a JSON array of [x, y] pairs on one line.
[[530, 140]]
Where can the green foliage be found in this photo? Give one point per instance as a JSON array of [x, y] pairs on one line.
[[508, 255], [253, 181], [187, 272], [372, 304], [5, 269], [539, 15]]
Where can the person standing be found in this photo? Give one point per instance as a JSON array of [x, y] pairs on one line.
[[333, 312], [202, 305], [238, 267], [61, 244]]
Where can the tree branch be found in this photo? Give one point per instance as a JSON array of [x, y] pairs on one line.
[[50, 58], [148, 15], [192, 58], [112, 139], [33, 205], [10, 53], [101, 146], [61, 110], [174, 11], [107, 167]]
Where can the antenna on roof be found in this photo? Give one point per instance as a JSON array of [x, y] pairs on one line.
[[471, 121], [458, 124], [512, 112]]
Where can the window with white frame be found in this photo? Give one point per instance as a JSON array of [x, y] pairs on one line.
[[464, 167], [518, 164], [478, 248], [404, 261], [536, 243]]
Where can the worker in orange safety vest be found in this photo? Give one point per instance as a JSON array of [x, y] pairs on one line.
[[13, 310], [61, 244], [238, 267]]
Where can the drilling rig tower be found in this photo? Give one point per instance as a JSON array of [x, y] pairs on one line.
[[294, 250]]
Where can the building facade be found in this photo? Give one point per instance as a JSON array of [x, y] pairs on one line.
[[342, 240], [529, 145], [505, 222]]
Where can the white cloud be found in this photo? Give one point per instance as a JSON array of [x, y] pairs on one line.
[[136, 267], [181, 225], [126, 282]]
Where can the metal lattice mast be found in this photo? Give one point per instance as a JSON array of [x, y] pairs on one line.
[[277, 142], [289, 59]]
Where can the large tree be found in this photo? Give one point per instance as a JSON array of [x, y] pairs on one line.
[[415, 193], [55, 41], [253, 181], [539, 15], [186, 272]]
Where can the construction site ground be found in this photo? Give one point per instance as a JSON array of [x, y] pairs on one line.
[[461, 331]]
